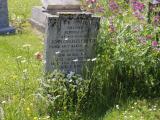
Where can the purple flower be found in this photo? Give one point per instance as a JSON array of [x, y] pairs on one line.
[[154, 43], [156, 19], [137, 6], [101, 9], [113, 5], [91, 1]]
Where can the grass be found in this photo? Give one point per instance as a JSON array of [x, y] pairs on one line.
[[135, 110], [20, 75]]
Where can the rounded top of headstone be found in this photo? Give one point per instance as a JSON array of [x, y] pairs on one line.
[[61, 4]]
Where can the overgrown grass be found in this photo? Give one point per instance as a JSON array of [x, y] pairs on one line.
[[21, 74]]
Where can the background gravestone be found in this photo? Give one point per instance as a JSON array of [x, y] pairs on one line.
[[51, 7], [4, 23]]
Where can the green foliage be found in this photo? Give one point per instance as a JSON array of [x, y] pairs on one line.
[[20, 12], [135, 110], [126, 67], [62, 94]]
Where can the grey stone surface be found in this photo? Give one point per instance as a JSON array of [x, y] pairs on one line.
[[4, 23], [61, 4], [39, 17], [70, 41]]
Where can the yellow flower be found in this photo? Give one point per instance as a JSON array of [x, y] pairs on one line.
[[35, 118], [14, 77], [28, 109], [26, 45]]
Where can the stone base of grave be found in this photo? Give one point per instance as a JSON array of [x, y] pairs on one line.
[[7, 30], [40, 15], [38, 18]]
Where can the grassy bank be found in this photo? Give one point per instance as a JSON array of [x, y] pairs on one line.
[[21, 76]]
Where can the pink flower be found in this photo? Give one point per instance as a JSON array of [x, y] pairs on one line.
[[154, 43], [137, 6], [38, 56], [101, 9], [156, 20], [91, 1], [149, 37], [113, 5], [111, 25], [138, 15]]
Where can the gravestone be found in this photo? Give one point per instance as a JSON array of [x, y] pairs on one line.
[[4, 23], [70, 35], [51, 7], [70, 41]]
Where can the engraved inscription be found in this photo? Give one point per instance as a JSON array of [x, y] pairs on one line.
[[70, 42]]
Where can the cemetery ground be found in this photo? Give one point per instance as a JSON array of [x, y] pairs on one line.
[[125, 82]]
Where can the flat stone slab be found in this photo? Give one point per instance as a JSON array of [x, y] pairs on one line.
[[61, 4], [39, 17]]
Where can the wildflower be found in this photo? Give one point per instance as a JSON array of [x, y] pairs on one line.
[[3, 102], [76, 60], [23, 61], [100, 9], [94, 59], [113, 5], [117, 107], [149, 37], [91, 1], [35, 118], [38, 56], [1, 113], [111, 28], [19, 57], [156, 1], [111, 25], [154, 43], [47, 117], [156, 20], [66, 39], [26, 45], [14, 76], [88, 60], [131, 116], [25, 71], [28, 109], [58, 52], [138, 15], [44, 61], [135, 103], [137, 6]]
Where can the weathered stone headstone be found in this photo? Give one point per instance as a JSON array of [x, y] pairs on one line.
[[70, 34], [70, 41], [4, 23]]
